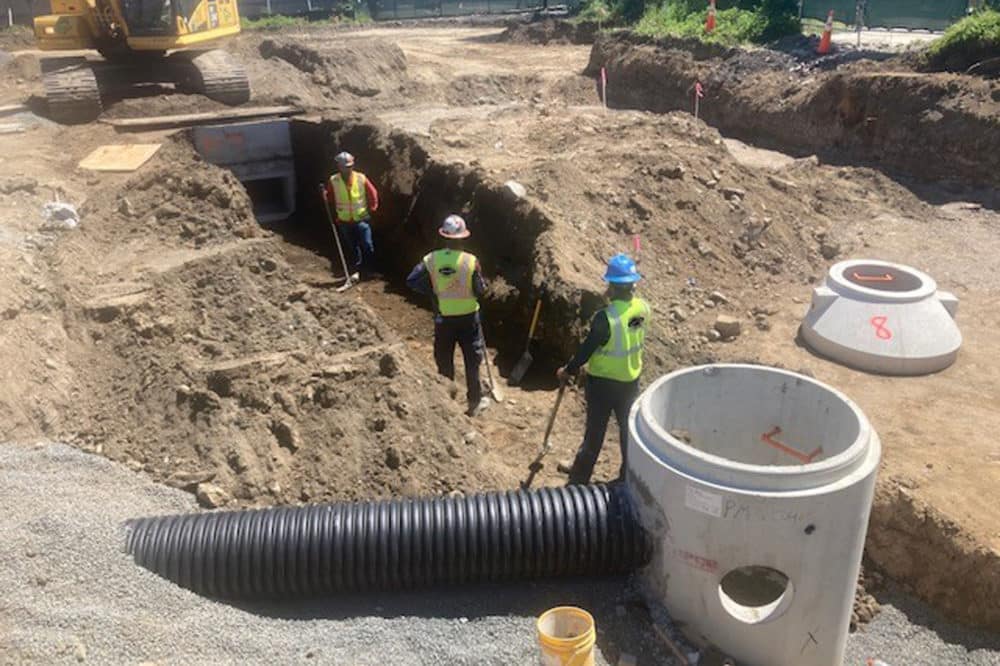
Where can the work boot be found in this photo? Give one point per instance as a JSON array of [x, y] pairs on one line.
[[476, 407]]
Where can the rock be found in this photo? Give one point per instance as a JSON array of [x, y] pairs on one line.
[[392, 459], [761, 322], [186, 480], [125, 207], [643, 209], [708, 303], [469, 438], [516, 189], [718, 297], [388, 366], [728, 327], [453, 451], [673, 173], [211, 496], [733, 193], [379, 425], [781, 183], [80, 651], [677, 314], [564, 465], [50, 364], [18, 184], [829, 248], [286, 435]]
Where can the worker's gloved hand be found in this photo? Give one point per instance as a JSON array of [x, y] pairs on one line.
[[562, 375]]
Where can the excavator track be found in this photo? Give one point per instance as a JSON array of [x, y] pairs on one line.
[[71, 90], [218, 76]]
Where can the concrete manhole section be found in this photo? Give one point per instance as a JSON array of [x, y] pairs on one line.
[[755, 485], [882, 317]]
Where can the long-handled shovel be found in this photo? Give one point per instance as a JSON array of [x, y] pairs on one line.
[[348, 282], [495, 391], [523, 363], [536, 464]]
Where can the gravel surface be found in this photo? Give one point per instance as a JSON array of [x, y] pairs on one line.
[[72, 595]]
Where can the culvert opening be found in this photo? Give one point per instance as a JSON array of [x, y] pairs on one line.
[[755, 416], [415, 194], [755, 594], [882, 278]]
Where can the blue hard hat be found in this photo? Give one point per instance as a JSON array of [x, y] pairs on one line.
[[621, 270]]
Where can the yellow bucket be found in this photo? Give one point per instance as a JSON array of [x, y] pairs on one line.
[[566, 635]]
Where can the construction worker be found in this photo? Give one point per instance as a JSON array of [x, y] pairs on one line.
[[612, 352], [453, 279], [355, 199]]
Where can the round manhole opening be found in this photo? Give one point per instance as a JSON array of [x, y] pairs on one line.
[[882, 278], [755, 594]]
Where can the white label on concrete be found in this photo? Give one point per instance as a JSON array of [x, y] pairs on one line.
[[704, 502]]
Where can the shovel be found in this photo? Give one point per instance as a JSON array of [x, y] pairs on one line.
[[495, 390], [348, 283], [523, 363], [536, 464]]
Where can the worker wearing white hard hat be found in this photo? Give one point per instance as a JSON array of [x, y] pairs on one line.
[[355, 199], [453, 279]]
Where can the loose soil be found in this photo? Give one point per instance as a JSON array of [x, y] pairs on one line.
[[171, 332]]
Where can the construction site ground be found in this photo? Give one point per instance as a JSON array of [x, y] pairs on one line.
[[173, 334]]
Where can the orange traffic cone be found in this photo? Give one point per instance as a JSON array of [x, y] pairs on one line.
[[710, 21], [824, 41]]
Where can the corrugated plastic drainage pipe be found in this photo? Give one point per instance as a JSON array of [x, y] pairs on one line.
[[394, 544], [756, 485]]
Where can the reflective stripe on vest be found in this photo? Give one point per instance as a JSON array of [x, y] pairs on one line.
[[451, 274], [352, 206], [621, 357]]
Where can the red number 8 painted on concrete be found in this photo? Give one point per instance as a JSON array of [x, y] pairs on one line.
[[881, 331]]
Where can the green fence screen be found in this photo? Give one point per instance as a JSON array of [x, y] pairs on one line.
[[383, 10], [913, 14]]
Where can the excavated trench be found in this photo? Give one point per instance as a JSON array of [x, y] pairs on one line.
[[415, 194]]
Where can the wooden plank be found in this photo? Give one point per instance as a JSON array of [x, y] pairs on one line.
[[127, 157], [189, 119], [8, 109], [11, 128]]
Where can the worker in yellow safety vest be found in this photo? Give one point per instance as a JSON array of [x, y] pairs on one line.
[[355, 199], [612, 353], [454, 280]]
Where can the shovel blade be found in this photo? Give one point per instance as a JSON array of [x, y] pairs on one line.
[[520, 368]]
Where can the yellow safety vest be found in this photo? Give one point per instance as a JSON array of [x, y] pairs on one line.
[[620, 358], [352, 205], [451, 274]]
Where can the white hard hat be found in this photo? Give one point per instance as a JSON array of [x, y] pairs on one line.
[[454, 227], [344, 159]]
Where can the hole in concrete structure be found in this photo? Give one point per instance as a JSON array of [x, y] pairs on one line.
[[756, 416], [271, 198], [882, 278], [755, 594]]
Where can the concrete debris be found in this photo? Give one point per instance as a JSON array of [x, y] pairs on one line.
[[516, 189], [728, 327], [564, 465], [60, 215]]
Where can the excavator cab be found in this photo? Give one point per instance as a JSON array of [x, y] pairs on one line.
[[142, 42]]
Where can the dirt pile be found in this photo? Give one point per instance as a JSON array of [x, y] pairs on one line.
[[197, 355], [890, 117], [551, 31]]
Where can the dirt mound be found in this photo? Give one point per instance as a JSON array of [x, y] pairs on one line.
[[198, 356], [551, 32], [891, 118], [378, 67], [16, 37]]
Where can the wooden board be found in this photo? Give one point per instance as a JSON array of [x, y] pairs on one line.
[[8, 109], [190, 119], [119, 157]]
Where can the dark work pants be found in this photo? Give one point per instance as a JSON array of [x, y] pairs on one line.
[[463, 331], [603, 397], [358, 236]]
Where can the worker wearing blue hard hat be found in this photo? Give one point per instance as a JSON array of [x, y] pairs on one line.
[[612, 353]]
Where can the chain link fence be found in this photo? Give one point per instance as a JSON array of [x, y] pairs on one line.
[[911, 14]]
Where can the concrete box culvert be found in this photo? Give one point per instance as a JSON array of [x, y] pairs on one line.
[[884, 318], [756, 485]]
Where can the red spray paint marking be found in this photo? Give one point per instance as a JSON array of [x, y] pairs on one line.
[[636, 246], [768, 438], [886, 277], [881, 331]]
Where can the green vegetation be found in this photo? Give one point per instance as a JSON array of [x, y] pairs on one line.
[[973, 39], [273, 22], [597, 11], [748, 21]]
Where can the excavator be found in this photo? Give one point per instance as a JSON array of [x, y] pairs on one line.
[[141, 42]]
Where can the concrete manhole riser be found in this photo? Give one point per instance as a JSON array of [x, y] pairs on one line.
[[884, 318], [755, 485]]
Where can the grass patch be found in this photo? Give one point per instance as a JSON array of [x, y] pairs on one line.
[[732, 26], [273, 22], [595, 11], [973, 39]]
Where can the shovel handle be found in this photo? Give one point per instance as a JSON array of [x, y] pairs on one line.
[[534, 319], [552, 417]]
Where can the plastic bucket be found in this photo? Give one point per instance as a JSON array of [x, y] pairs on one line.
[[566, 636]]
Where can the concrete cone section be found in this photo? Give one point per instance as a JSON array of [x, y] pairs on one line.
[[756, 485], [884, 318]]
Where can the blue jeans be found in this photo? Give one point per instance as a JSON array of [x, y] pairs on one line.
[[358, 235]]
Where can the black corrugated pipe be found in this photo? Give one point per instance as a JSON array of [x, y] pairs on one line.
[[394, 544]]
